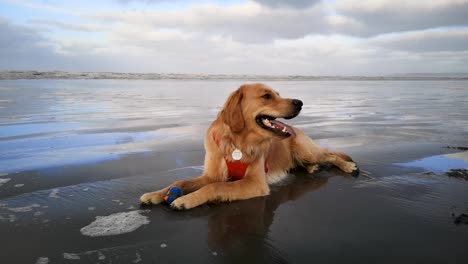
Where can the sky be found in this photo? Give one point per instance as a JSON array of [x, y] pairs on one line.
[[272, 37]]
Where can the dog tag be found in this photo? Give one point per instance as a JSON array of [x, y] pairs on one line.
[[236, 154]]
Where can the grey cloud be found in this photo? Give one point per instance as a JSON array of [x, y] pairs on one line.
[[425, 41], [22, 48], [147, 1], [265, 27], [245, 39], [249, 24], [68, 26], [290, 3], [16, 38], [397, 16], [270, 3]]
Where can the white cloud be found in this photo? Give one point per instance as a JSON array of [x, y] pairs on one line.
[[386, 16], [68, 26], [247, 22], [289, 3], [436, 40], [20, 46], [253, 37], [42, 7]]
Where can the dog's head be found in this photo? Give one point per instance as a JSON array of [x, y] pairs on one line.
[[255, 108]]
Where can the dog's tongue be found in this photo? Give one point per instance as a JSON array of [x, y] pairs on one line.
[[283, 127]]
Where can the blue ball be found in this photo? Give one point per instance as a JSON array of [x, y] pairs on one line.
[[171, 194]]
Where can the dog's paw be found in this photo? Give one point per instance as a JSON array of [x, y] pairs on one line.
[[350, 167], [178, 204], [151, 198], [313, 168], [182, 203]]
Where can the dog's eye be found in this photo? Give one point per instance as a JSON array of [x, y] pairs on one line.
[[266, 96]]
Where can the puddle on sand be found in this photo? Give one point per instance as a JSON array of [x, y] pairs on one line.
[[440, 163]]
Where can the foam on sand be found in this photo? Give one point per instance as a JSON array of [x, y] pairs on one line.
[[71, 256], [42, 260], [24, 209], [53, 193], [11, 218], [3, 181], [115, 224]]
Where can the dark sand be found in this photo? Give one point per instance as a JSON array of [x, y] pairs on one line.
[[71, 150]]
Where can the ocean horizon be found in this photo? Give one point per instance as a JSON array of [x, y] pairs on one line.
[[18, 75]]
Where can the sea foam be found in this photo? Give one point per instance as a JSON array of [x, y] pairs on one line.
[[115, 224]]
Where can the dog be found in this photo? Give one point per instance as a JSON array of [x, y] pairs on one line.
[[247, 149]]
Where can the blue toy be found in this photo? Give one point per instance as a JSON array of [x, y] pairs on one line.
[[171, 194]]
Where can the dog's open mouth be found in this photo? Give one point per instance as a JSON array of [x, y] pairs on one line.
[[270, 123]]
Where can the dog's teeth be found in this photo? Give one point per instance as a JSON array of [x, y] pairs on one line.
[[284, 130]]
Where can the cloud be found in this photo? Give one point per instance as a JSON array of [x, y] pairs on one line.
[[374, 17], [252, 37], [266, 21], [50, 8], [20, 46], [129, 48], [270, 3], [425, 41], [15, 37], [248, 22], [289, 3], [147, 1], [68, 26], [24, 48]]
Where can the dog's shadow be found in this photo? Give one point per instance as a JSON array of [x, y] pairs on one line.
[[234, 222], [242, 226]]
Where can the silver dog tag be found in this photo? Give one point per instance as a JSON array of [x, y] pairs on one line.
[[236, 154]]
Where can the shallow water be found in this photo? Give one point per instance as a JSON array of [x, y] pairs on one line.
[[72, 150]]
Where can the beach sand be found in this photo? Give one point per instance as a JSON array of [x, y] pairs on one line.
[[75, 156]]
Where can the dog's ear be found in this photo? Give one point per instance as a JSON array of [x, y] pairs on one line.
[[232, 112]]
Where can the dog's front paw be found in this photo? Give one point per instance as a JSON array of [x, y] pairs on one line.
[[350, 167], [182, 203], [151, 198], [313, 168], [178, 205]]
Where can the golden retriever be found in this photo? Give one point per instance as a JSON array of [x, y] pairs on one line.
[[247, 149]]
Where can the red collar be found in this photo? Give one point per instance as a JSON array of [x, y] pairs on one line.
[[236, 168]]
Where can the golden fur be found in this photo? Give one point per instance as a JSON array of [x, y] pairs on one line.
[[236, 127]]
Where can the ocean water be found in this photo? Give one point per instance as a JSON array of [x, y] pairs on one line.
[[101, 119], [73, 150]]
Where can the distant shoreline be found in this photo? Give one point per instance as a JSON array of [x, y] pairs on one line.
[[34, 75]]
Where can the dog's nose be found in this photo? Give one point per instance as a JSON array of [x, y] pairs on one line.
[[297, 103]]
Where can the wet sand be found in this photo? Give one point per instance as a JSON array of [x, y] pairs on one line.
[[72, 150]]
